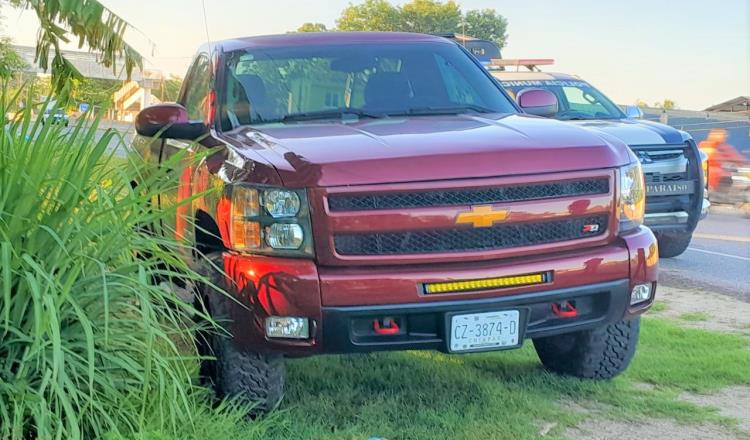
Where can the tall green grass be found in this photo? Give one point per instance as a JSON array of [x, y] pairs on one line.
[[89, 343]]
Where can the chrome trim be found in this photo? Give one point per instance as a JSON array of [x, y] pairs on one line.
[[704, 208], [652, 164], [666, 218], [669, 166]]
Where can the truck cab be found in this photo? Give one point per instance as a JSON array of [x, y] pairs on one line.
[[357, 192]]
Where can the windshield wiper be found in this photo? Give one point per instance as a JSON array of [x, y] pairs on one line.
[[329, 114], [432, 111]]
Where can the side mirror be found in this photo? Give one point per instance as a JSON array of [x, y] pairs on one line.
[[633, 112], [537, 102], [168, 120]]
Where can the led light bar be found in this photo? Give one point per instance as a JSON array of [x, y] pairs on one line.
[[488, 283]]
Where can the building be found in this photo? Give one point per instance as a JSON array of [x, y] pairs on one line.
[[134, 94], [740, 104]]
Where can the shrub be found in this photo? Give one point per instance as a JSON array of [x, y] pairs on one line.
[[89, 342]]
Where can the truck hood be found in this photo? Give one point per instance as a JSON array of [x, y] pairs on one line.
[[635, 132], [411, 149]]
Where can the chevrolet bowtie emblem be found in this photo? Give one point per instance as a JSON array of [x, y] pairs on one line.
[[482, 216]]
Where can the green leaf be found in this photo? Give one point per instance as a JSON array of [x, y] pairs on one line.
[[95, 26]]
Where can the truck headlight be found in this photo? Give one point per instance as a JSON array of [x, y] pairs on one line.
[[285, 236], [272, 221], [281, 203], [632, 197]]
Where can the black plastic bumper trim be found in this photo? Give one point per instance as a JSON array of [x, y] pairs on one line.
[[339, 338]]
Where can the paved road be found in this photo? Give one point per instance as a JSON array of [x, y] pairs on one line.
[[699, 124], [718, 258], [125, 128]]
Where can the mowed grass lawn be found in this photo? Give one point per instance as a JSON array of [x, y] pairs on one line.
[[428, 395]]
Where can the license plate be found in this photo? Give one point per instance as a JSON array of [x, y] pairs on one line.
[[484, 331], [670, 188]]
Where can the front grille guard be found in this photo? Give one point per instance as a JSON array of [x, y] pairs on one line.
[[692, 204]]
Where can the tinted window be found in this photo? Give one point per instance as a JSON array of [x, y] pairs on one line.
[[582, 101], [197, 89], [278, 84], [577, 99]]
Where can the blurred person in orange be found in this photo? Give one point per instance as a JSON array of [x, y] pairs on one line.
[[723, 158]]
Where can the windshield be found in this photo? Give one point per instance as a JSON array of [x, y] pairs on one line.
[[576, 99], [365, 80]]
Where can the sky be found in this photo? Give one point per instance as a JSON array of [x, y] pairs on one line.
[[696, 53]]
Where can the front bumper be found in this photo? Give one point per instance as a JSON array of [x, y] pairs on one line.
[[342, 303], [424, 326], [676, 220], [659, 219]]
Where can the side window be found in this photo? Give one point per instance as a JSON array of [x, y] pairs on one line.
[[197, 89], [579, 100], [459, 90]]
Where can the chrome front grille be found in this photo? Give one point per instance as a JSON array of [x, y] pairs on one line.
[[666, 161], [662, 178]]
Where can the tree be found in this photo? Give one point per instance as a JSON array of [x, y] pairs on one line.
[[10, 61], [667, 104], [371, 15], [170, 88], [487, 25], [312, 27], [641, 103], [96, 92], [426, 16], [430, 16], [91, 23]]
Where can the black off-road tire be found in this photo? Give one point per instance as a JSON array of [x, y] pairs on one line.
[[600, 353], [251, 377], [673, 244]]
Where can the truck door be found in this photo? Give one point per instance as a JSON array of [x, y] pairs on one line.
[[194, 98]]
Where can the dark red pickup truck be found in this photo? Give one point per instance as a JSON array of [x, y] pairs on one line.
[[380, 191]]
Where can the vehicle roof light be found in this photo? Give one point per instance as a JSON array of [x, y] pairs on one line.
[[529, 63]]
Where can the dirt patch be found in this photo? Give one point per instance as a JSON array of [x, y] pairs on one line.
[[731, 402], [599, 427], [723, 313], [649, 429]]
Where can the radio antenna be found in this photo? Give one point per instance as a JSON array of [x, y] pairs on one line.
[[205, 25]]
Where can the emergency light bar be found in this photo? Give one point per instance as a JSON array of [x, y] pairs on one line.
[[529, 63]]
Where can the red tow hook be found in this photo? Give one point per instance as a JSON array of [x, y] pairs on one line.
[[565, 309], [389, 326]]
